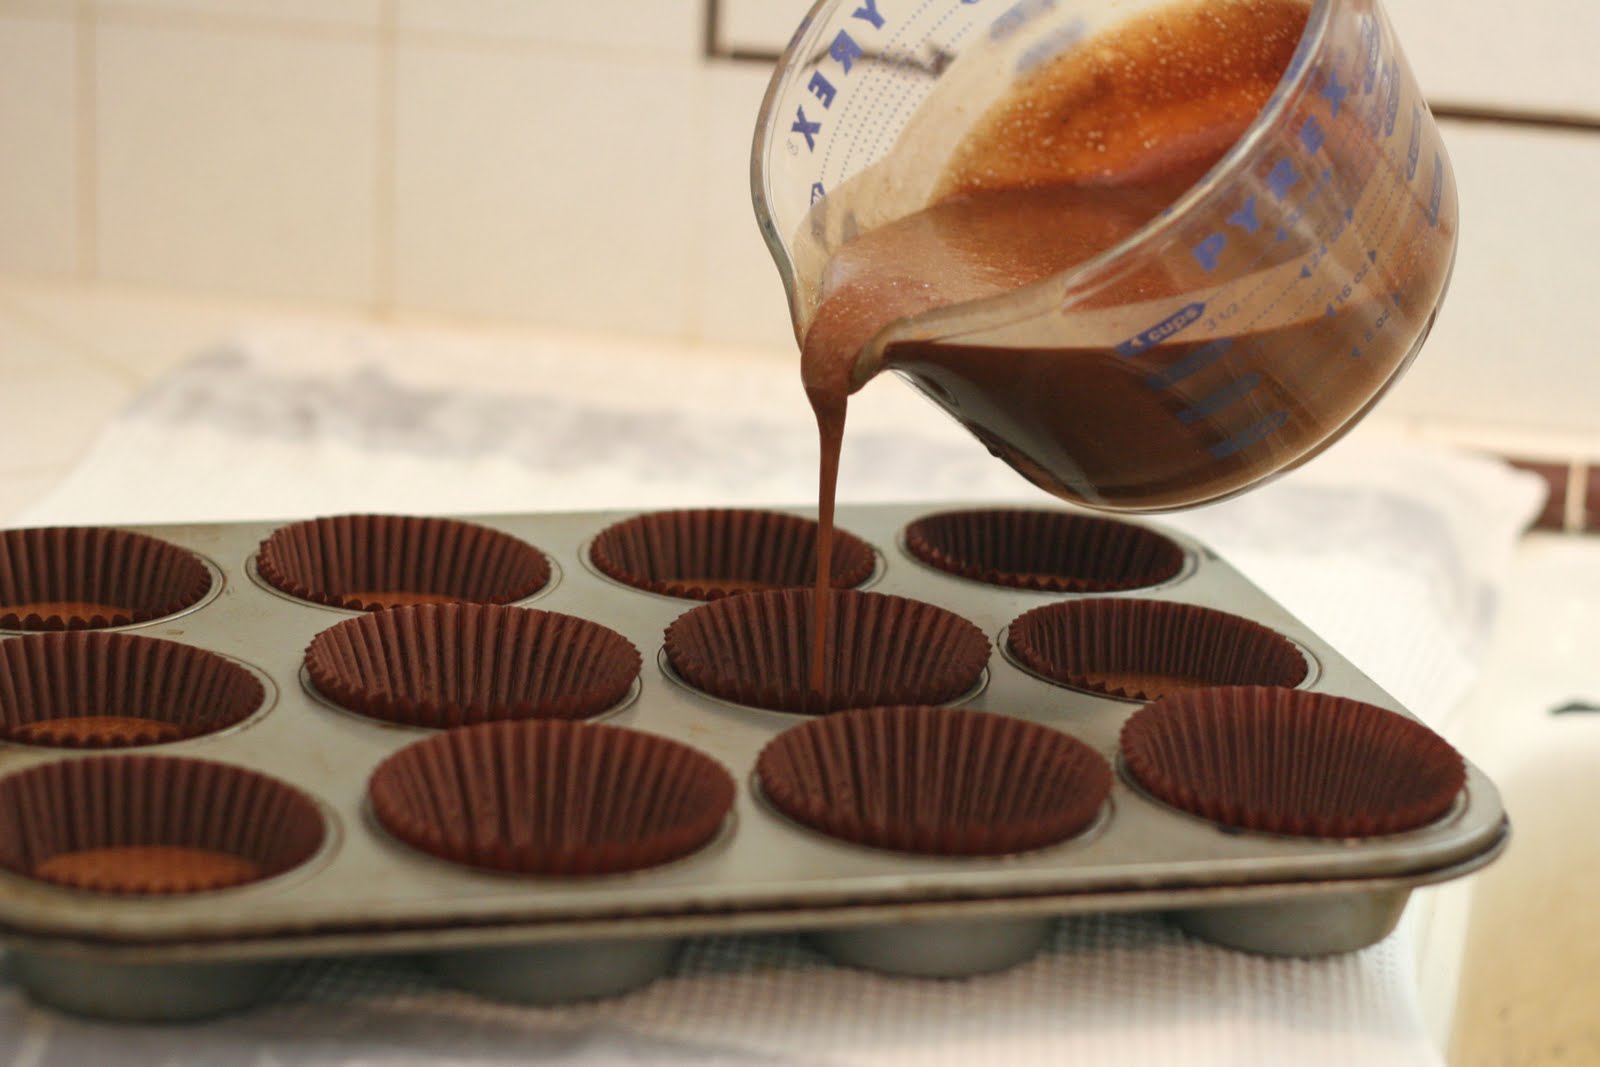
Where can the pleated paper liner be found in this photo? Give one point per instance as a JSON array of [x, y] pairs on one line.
[[1144, 649], [942, 781], [1288, 761], [86, 577], [458, 664], [756, 650], [114, 690], [153, 825], [552, 797], [709, 553], [1052, 551], [370, 562]]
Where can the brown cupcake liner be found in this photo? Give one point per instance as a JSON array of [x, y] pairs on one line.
[[1289, 761], [945, 781], [87, 577], [458, 664], [552, 797], [1051, 551], [114, 690], [710, 553], [153, 825], [1144, 649], [881, 649], [371, 562]]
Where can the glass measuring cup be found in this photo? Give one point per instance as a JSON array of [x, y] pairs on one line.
[[1232, 331]]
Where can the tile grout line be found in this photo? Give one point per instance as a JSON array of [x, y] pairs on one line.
[[88, 138], [383, 195]]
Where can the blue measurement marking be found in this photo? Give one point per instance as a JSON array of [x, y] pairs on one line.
[[1392, 108], [1334, 93], [1438, 191], [1210, 405], [868, 12], [1167, 328], [1416, 142], [1282, 177], [1249, 436], [1209, 251], [820, 87], [1371, 36], [817, 192], [1193, 363], [1311, 135], [844, 50], [1245, 218], [806, 128]]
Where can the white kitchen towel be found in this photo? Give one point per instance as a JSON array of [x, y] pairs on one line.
[[1392, 551], [1126, 991]]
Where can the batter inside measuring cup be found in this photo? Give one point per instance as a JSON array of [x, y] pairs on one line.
[[1078, 157]]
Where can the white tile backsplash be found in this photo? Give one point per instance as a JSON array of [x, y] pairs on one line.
[[672, 27], [39, 175], [741, 299], [1535, 55], [545, 189], [580, 166], [237, 162]]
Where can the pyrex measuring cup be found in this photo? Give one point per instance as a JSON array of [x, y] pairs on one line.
[[1234, 334]]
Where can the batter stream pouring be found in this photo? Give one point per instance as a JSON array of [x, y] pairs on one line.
[[1149, 253]]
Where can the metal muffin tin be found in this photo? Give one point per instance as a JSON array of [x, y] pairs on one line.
[[542, 939]]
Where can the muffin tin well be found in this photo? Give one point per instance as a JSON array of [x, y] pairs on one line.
[[386, 870]]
